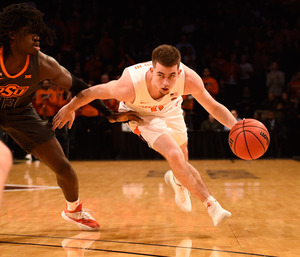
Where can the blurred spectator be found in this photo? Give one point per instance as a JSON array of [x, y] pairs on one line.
[[188, 52], [217, 65], [246, 71], [211, 124], [284, 110], [45, 101], [187, 107], [278, 136], [247, 104], [93, 68], [63, 96], [236, 115], [107, 48], [294, 89], [210, 83], [275, 80], [126, 61], [232, 89], [270, 103]]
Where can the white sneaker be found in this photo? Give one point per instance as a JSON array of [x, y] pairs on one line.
[[182, 197], [216, 212]]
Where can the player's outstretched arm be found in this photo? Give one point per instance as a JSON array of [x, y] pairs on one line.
[[120, 89], [194, 86]]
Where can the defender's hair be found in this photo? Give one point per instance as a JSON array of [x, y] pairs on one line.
[[15, 16], [166, 55]]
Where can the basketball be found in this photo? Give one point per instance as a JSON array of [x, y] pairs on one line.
[[249, 139]]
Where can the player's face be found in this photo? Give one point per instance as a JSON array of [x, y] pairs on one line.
[[25, 41], [164, 78]]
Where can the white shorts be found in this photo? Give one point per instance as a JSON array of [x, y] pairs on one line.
[[154, 126]]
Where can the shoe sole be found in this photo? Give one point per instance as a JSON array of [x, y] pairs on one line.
[[167, 178], [222, 221], [81, 226]]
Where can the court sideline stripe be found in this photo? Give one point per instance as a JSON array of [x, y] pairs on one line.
[[89, 249], [137, 243]]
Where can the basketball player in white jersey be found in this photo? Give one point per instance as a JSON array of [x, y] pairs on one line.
[[153, 90]]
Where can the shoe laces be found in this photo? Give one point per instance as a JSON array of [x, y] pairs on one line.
[[84, 214]]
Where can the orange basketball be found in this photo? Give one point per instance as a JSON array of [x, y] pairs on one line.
[[249, 139]]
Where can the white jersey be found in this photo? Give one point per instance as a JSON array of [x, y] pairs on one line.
[[144, 104]]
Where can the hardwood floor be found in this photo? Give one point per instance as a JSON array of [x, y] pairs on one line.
[[138, 215]]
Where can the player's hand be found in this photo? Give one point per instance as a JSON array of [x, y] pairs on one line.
[[124, 116], [63, 117]]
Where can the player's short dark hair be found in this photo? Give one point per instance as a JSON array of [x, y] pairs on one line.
[[16, 16], [166, 55]]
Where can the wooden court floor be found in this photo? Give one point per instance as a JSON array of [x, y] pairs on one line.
[[138, 215]]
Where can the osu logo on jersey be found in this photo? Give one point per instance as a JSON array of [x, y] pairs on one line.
[[12, 90]]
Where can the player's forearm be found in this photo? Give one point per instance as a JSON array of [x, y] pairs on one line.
[[224, 116], [82, 98]]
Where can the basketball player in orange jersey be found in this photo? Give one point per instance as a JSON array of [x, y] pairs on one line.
[[153, 90], [22, 67], [5, 165]]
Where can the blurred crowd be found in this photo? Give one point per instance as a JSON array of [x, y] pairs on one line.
[[247, 53]]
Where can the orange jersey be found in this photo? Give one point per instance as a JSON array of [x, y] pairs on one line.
[[211, 86], [88, 111], [45, 102]]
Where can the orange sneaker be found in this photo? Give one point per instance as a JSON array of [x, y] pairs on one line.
[[81, 218]]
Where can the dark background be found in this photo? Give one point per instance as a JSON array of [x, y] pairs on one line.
[[110, 31]]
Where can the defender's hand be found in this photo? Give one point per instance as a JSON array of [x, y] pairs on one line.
[[124, 116], [63, 117]]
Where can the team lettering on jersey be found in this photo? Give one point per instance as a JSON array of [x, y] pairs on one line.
[[12, 90], [154, 108], [140, 65]]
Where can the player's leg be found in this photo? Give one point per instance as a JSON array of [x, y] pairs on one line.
[[188, 176], [5, 165], [35, 136], [51, 153]]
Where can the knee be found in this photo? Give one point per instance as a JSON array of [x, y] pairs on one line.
[[63, 169], [175, 156]]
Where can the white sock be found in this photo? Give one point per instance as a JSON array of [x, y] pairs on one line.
[[209, 201], [72, 205]]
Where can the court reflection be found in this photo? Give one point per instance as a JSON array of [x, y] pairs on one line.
[[77, 245], [184, 248]]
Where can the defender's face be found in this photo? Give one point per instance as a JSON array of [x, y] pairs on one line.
[[25, 41], [164, 78]]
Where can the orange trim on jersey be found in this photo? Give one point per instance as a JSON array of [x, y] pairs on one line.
[[137, 131], [4, 69]]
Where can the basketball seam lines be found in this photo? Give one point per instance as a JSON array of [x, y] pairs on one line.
[[257, 139], [246, 140]]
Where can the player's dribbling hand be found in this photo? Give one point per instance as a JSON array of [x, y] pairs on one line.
[[63, 117], [124, 116]]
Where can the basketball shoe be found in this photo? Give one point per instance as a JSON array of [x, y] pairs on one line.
[[182, 197], [81, 218], [215, 211]]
